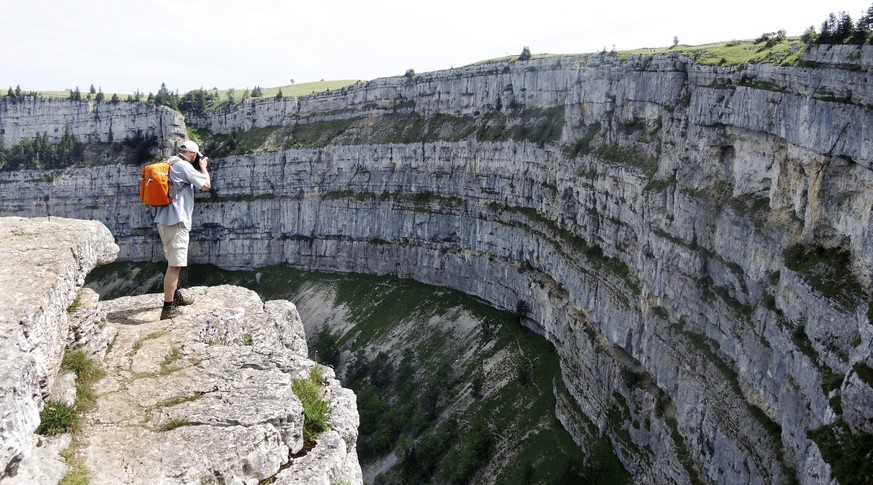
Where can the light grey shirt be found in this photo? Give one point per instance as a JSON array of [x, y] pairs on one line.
[[183, 178]]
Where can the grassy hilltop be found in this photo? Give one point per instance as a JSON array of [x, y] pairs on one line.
[[773, 48]]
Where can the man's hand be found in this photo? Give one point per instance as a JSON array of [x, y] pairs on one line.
[[204, 162]]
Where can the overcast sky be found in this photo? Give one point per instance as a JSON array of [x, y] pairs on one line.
[[121, 46]]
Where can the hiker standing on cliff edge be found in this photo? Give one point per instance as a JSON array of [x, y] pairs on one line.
[[187, 170]]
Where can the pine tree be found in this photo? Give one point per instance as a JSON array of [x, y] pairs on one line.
[[66, 148], [2, 152], [10, 94], [866, 20], [100, 96], [279, 94], [166, 98], [809, 36], [525, 54], [38, 147], [115, 98], [828, 29], [200, 101], [23, 155], [845, 27], [864, 27], [92, 90]]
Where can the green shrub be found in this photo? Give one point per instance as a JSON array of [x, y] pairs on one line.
[[318, 134], [324, 348], [850, 455], [865, 373], [57, 418], [660, 185], [633, 158], [800, 339], [316, 410], [828, 271], [74, 307], [476, 384], [476, 450], [870, 313]]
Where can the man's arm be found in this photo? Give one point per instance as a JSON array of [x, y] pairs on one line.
[[198, 176], [203, 164]]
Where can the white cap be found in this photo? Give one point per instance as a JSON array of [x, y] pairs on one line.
[[190, 146]]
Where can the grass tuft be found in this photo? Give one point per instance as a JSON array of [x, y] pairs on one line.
[[167, 364], [87, 372], [175, 401], [173, 424], [57, 418], [74, 307], [316, 410], [77, 473], [85, 369]]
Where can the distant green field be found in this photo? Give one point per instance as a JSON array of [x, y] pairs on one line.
[[303, 89], [297, 90], [732, 53]]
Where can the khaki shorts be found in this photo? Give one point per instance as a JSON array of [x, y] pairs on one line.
[[175, 239]]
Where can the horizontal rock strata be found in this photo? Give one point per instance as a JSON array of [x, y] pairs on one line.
[[672, 230]]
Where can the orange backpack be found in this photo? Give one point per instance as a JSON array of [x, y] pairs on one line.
[[154, 186]]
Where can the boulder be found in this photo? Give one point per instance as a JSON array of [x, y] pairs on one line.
[[208, 396]]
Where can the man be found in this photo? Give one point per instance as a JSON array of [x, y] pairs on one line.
[[174, 220]]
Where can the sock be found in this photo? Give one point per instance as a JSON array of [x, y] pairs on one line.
[[168, 303]]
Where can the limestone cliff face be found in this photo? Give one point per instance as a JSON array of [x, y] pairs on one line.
[[89, 123], [47, 260], [696, 242]]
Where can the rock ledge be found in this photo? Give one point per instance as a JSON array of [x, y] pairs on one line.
[[203, 398]]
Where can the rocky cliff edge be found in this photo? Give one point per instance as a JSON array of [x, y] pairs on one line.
[[206, 397]]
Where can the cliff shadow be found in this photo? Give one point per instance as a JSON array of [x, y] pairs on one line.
[[135, 316]]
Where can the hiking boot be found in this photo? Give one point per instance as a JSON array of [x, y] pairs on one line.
[[169, 312], [180, 300]]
